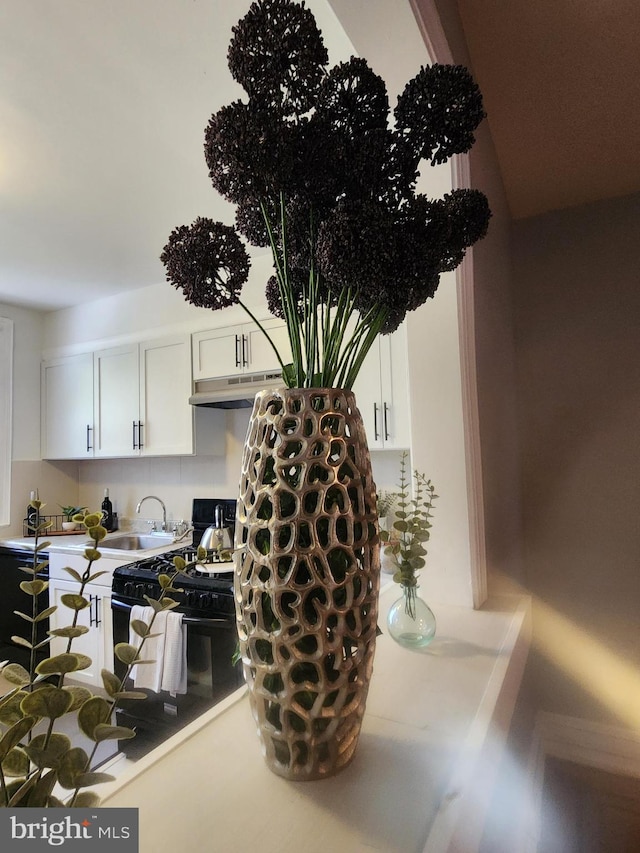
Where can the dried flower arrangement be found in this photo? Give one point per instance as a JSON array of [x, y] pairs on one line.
[[321, 177]]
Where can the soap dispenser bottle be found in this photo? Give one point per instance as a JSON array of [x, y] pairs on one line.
[[107, 511]]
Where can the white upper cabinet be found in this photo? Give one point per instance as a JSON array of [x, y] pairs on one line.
[[166, 417], [123, 401], [67, 407], [116, 401], [235, 350], [141, 394], [382, 393]]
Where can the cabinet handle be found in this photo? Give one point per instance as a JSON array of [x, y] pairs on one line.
[[140, 428], [97, 618], [89, 431], [135, 444], [245, 357], [376, 435], [238, 362], [385, 410]]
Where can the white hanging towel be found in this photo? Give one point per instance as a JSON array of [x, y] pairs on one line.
[[174, 670], [148, 675], [167, 650]]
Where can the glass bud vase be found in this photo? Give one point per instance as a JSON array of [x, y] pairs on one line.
[[411, 621]]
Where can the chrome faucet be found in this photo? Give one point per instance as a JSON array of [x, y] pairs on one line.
[[164, 509]]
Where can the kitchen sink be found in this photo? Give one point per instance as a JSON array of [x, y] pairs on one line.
[[137, 541]]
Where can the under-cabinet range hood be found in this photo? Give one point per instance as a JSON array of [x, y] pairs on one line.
[[233, 392]]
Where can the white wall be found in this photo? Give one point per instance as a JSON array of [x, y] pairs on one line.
[[55, 482], [153, 311]]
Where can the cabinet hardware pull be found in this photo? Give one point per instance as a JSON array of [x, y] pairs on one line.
[[135, 444], [89, 445], [98, 620], [90, 611], [245, 358], [238, 362], [376, 436], [140, 442], [385, 410]]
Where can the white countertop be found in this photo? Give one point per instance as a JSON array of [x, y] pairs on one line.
[[59, 541], [432, 736], [75, 543]]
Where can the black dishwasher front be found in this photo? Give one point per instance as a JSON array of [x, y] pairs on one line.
[[12, 598]]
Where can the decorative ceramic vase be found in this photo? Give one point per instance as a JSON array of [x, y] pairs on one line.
[[69, 525], [411, 621], [307, 577]]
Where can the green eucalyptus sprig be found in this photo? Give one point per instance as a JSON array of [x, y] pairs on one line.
[[33, 764], [412, 528]]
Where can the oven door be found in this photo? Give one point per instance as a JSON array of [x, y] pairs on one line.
[[211, 676]]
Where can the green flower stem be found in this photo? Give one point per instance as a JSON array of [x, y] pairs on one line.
[[410, 601], [293, 321], [291, 317], [335, 335], [372, 333]]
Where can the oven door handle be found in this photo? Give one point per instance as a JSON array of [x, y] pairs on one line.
[[116, 604]]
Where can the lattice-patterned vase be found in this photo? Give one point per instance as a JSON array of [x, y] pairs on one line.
[[307, 577]]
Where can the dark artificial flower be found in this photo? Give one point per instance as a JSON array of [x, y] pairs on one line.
[[351, 117], [278, 56], [438, 111], [469, 214], [274, 300], [207, 261], [251, 224], [250, 153], [355, 248], [353, 99]]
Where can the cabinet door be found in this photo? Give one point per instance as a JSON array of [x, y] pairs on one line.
[[116, 401], [165, 388], [394, 386], [261, 356], [67, 407], [368, 397], [239, 349], [96, 617], [382, 393], [218, 352]]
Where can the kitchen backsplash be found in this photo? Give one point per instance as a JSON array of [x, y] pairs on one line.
[[56, 482], [176, 480]]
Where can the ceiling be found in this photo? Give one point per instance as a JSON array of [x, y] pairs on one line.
[[103, 106]]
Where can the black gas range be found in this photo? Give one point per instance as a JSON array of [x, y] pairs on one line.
[[207, 589], [207, 607]]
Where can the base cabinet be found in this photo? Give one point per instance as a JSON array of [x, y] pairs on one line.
[[97, 642]]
